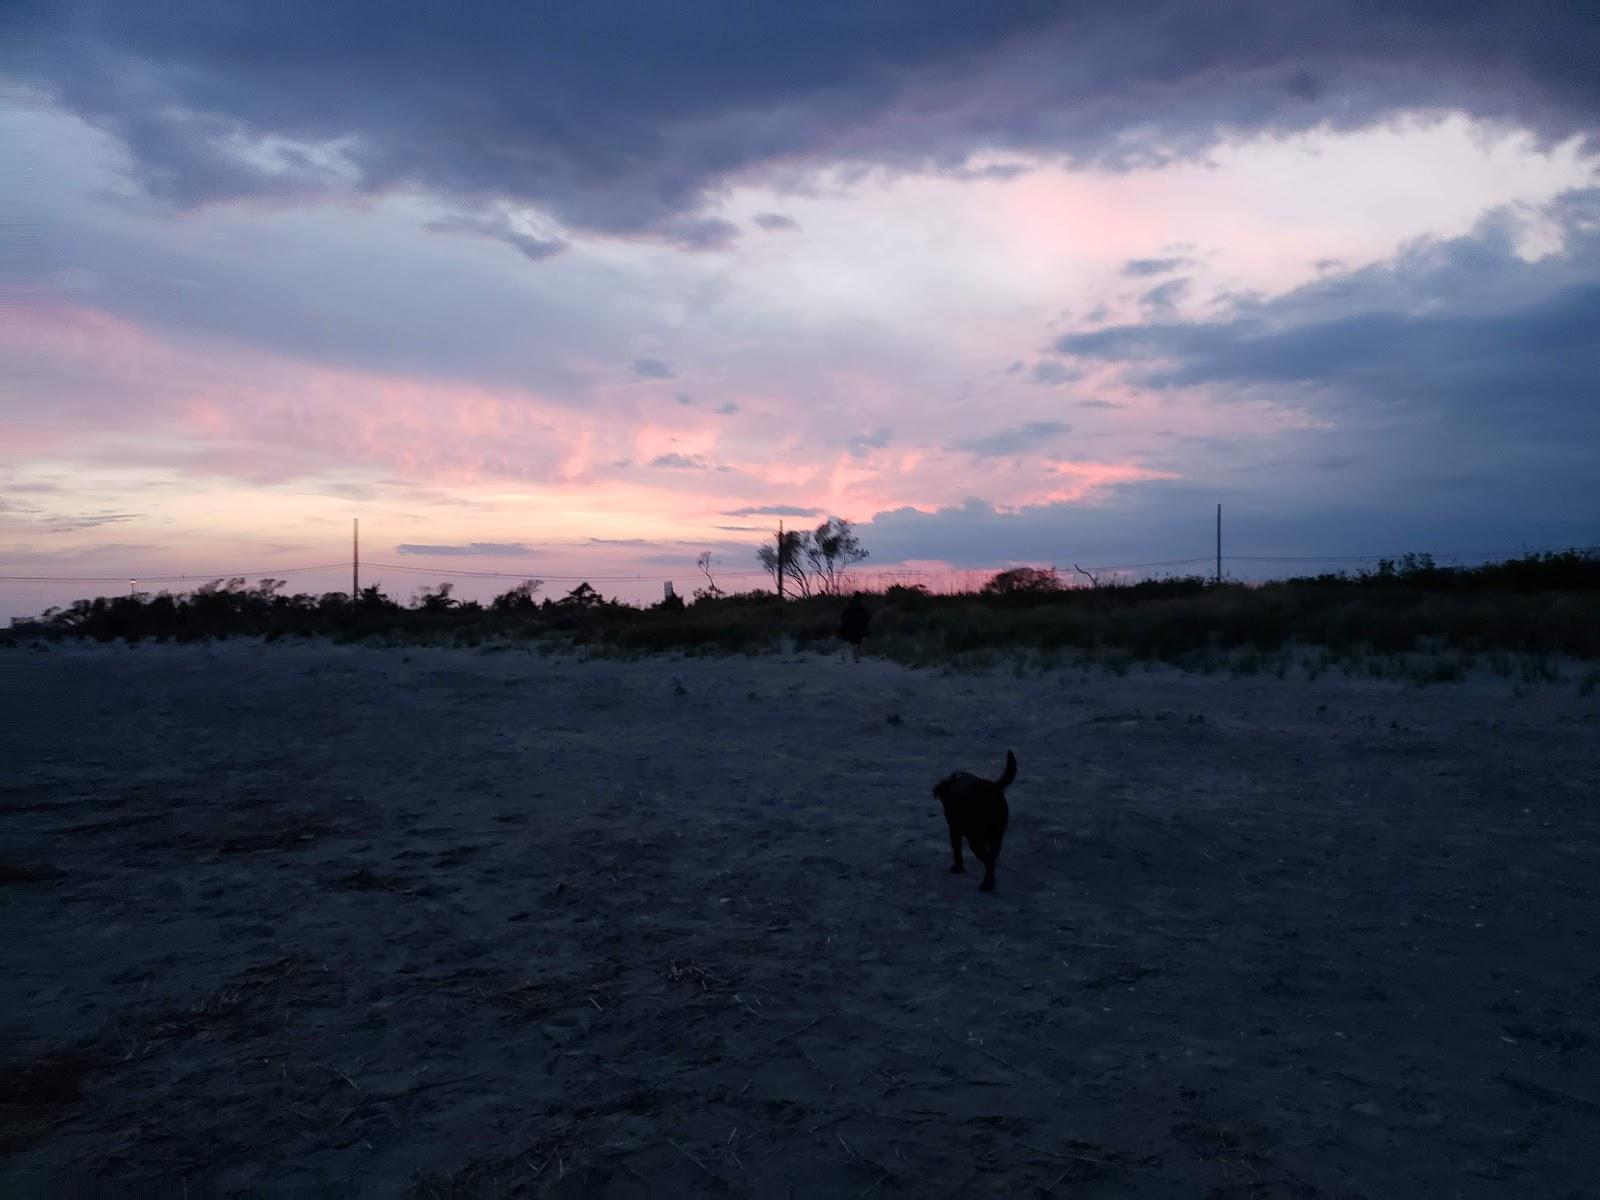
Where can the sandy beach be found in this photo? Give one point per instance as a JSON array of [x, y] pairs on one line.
[[309, 917]]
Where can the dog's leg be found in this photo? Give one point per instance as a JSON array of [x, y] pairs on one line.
[[957, 867], [989, 853]]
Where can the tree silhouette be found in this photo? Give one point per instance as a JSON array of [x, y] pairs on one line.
[[1020, 580], [790, 551], [818, 560], [582, 596], [832, 550], [519, 597], [436, 599], [711, 590]]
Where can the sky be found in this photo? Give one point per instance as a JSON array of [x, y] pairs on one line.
[[585, 291]]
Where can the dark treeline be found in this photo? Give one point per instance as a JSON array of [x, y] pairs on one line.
[[1540, 603]]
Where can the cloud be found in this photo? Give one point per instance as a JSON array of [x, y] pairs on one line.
[[635, 135], [1457, 351], [621, 542], [77, 279], [816, 369], [470, 550], [685, 399], [1023, 439], [86, 521], [727, 408], [776, 222], [699, 233], [1097, 404], [998, 172], [1465, 323], [498, 227], [876, 440], [680, 462], [1138, 267], [1166, 528], [654, 368], [1164, 297], [1053, 374], [1132, 525], [85, 558], [774, 510]]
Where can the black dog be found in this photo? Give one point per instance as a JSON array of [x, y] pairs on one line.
[[976, 809]]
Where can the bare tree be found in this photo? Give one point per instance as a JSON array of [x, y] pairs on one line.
[[711, 589]]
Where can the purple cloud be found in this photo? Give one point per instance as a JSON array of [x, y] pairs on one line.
[[1022, 439], [268, 101], [1152, 266], [498, 227], [774, 510], [469, 550], [776, 222], [680, 462], [656, 368]]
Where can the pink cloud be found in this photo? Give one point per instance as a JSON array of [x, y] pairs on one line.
[[217, 430], [228, 410]]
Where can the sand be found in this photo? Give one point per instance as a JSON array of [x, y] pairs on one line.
[[298, 916]]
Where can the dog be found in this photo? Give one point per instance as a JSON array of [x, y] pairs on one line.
[[976, 809]]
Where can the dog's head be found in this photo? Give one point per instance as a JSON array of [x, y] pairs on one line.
[[949, 788]]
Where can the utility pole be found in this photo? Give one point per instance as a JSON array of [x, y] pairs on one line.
[[355, 559], [1219, 544], [780, 560]]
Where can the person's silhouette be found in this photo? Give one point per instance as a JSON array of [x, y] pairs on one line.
[[853, 624]]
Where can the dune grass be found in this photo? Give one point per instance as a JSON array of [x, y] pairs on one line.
[[1414, 621]]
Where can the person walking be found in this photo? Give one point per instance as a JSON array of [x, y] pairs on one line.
[[853, 624]]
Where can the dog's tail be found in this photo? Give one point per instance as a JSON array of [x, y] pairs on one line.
[[1010, 772]]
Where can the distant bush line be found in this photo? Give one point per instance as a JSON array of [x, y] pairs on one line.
[[1540, 604]]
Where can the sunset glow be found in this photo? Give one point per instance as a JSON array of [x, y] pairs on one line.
[[1011, 321]]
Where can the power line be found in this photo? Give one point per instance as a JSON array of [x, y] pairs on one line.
[[1171, 562]]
